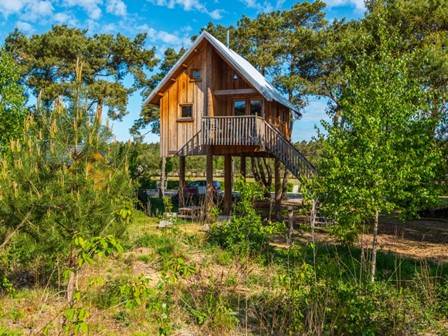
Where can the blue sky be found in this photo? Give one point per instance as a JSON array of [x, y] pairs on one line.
[[168, 23]]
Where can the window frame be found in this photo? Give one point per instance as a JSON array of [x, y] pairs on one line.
[[262, 106], [192, 78], [245, 106], [181, 117]]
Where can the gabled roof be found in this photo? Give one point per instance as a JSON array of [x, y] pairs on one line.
[[247, 70]]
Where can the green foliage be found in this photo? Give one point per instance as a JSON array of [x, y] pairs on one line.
[[12, 101], [6, 286], [97, 246], [60, 183], [167, 204], [76, 321], [4, 331], [381, 156], [175, 267], [245, 231], [209, 308], [50, 71], [127, 291]]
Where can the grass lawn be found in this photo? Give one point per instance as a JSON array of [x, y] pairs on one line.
[[174, 282]]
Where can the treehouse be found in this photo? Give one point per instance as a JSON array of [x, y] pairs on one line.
[[214, 102]]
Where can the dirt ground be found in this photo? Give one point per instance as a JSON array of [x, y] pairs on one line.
[[425, 238]]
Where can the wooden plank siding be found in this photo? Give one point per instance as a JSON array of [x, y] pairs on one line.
[[213, 95]]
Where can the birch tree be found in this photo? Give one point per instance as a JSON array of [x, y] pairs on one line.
[[380, 157]]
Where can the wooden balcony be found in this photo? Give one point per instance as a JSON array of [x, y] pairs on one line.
[[248, 131], [232, 130]]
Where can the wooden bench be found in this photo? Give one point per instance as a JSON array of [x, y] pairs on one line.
[[192, 213]]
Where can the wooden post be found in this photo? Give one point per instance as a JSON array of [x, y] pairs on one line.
[[277, 187], [243, 170], [181, 181], [162, 177], [209, 192], [227, 184]]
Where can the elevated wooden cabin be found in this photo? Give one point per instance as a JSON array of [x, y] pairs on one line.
[[214, 102]]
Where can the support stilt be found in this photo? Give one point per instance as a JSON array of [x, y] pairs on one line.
[[227, 184], [277, 188], [181, 181], [210, 190], [162, 177]]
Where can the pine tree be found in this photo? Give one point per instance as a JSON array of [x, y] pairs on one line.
[[48, 62]]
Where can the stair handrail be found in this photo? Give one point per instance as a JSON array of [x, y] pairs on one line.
[[282, 138], [180, 152]]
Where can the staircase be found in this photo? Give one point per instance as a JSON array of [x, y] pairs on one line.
[[278, 146], [193, 146], [248, 131]]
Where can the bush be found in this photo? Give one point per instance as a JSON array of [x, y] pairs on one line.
[[209, 308], [245, 231], [60, 182], [127, 291]]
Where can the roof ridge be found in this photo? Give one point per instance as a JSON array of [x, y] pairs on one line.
[[249, 72]]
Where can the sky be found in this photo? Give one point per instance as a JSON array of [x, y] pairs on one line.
[[168, 23]]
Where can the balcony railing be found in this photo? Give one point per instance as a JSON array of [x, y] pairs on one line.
[[232, 130], [254, 131]]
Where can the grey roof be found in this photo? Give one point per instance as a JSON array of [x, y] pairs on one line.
[[247, 70]]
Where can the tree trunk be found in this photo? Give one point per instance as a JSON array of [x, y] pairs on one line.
[[253, 167], [284, 194], [243, 167], [99, 111], [313, 230], [162, 178], [374, 247]]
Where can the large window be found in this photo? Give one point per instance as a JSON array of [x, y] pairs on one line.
[[239, 107], [256, 107]]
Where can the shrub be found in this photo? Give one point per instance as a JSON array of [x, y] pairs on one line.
[[127, 291], [208, 307], [60, 182], [245, 231]]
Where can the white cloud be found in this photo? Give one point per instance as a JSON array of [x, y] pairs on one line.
[[64, 18], [166, 39], [189, 5], [31, 10], [116, 7], [25, 27], [264, 6], [37, 10], [358, 4], [216, 14], [8, 7], [92, 7]]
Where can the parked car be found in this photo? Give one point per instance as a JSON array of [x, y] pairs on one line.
[[199, 188], [194, 191]]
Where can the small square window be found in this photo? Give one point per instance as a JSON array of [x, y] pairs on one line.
[[235, 76], [239, 107], [256, 107], [196, 75], [186, 111]]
